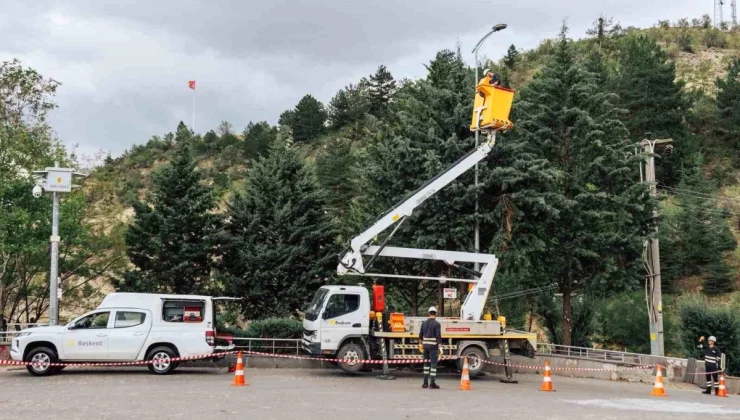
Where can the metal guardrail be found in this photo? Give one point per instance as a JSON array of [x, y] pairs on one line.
[[269, 345], [598, 355], [6, 336]]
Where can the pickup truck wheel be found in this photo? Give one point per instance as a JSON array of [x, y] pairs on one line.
[[475, 360], [353, 352], [41, 359], [161, 360]]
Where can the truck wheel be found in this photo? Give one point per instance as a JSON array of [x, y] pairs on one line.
[[161, 358], [41, 358], [475, 356], [353, 352]]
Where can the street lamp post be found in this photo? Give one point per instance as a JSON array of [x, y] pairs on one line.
[[56, 180], [496, 28]]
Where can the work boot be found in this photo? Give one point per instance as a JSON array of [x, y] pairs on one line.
[[434, 386], [707, 391], [425, 385]]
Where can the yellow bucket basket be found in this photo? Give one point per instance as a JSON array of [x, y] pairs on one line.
[[493, 104]]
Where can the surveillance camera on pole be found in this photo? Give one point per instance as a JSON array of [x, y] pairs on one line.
[[55, 180]]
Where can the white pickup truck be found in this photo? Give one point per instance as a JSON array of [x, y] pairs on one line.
[[125, 327]]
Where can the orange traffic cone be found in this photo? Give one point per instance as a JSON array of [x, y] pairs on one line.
[[658, 388], [547, 379], [239, 379], [465, 378], [722, 391]]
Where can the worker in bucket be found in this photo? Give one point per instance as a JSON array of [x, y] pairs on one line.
[[430, 344], [491, 77], [712, 357]]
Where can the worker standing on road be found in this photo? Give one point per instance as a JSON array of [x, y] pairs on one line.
[[712, 358], [430, 344]]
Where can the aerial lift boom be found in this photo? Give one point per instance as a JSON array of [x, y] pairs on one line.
[[353, 264]]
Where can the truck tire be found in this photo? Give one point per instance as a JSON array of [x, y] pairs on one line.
[[161, 358], [351, 351], [475, 356], [41, 358]]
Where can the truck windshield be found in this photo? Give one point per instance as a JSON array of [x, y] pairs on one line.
[[316, 304]]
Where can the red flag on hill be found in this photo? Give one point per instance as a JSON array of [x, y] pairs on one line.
[[191, 84]]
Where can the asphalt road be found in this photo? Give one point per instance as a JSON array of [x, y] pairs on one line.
[[325, 394]]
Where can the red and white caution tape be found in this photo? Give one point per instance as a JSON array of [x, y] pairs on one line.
[[354, 361], [113, 364], [567, 368]]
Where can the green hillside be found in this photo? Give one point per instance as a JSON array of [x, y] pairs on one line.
[[561, 201]]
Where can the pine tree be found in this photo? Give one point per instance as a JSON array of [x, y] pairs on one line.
[[511, 57], [381, 89], [308, 120], [279, 246], [695, 239], [654, 100], [349, 106], [719, 279], [728, 104], [286, 118], [258, 138], [172, 240], [334, 168], [183, 133], [573, 214], [427, 130], [447, 71]]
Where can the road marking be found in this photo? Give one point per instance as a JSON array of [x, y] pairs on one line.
[[638, 404]]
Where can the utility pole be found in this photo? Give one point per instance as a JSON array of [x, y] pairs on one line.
[[494, 29], [654, 295], [56, 180], [719, 13]]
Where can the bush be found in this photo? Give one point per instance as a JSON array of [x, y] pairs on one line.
[[268, 328], [698, 317], [623, 323]]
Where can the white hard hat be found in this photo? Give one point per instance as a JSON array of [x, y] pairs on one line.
[[432, 309], [712, 338], [486, 71]]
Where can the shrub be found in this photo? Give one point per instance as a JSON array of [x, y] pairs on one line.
[[275, 328], [698, 317], [623, 323]]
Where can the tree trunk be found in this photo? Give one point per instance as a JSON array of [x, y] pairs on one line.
[[567, 319]]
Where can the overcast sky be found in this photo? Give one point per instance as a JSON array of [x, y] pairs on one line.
[[124, 64]]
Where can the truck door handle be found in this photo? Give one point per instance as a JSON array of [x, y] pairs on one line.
[[102, 335], [358, 325], [139, 334]]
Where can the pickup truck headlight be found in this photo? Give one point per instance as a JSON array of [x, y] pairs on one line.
[[23, 334]]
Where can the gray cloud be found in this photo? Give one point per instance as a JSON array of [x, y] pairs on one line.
[[124, 64]]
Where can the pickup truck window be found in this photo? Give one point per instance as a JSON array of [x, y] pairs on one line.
[[183, 311], [93, 321], [339, 305], [125, 319]]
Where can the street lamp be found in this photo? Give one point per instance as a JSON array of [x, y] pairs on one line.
[[56, 180], [494, 29]]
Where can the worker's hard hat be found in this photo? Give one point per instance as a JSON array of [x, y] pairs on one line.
[[712, 338], [432, 310], [486, 71]]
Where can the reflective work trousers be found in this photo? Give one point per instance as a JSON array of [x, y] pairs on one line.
[[430, 367]]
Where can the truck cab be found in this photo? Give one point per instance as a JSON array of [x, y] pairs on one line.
[[336, 315]]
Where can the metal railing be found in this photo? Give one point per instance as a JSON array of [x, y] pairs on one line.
[[600, 355], [6, 335], [291, 346]]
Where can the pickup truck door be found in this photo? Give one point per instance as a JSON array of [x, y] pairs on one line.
[[86, 338], [341, 317], [128, 333]]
